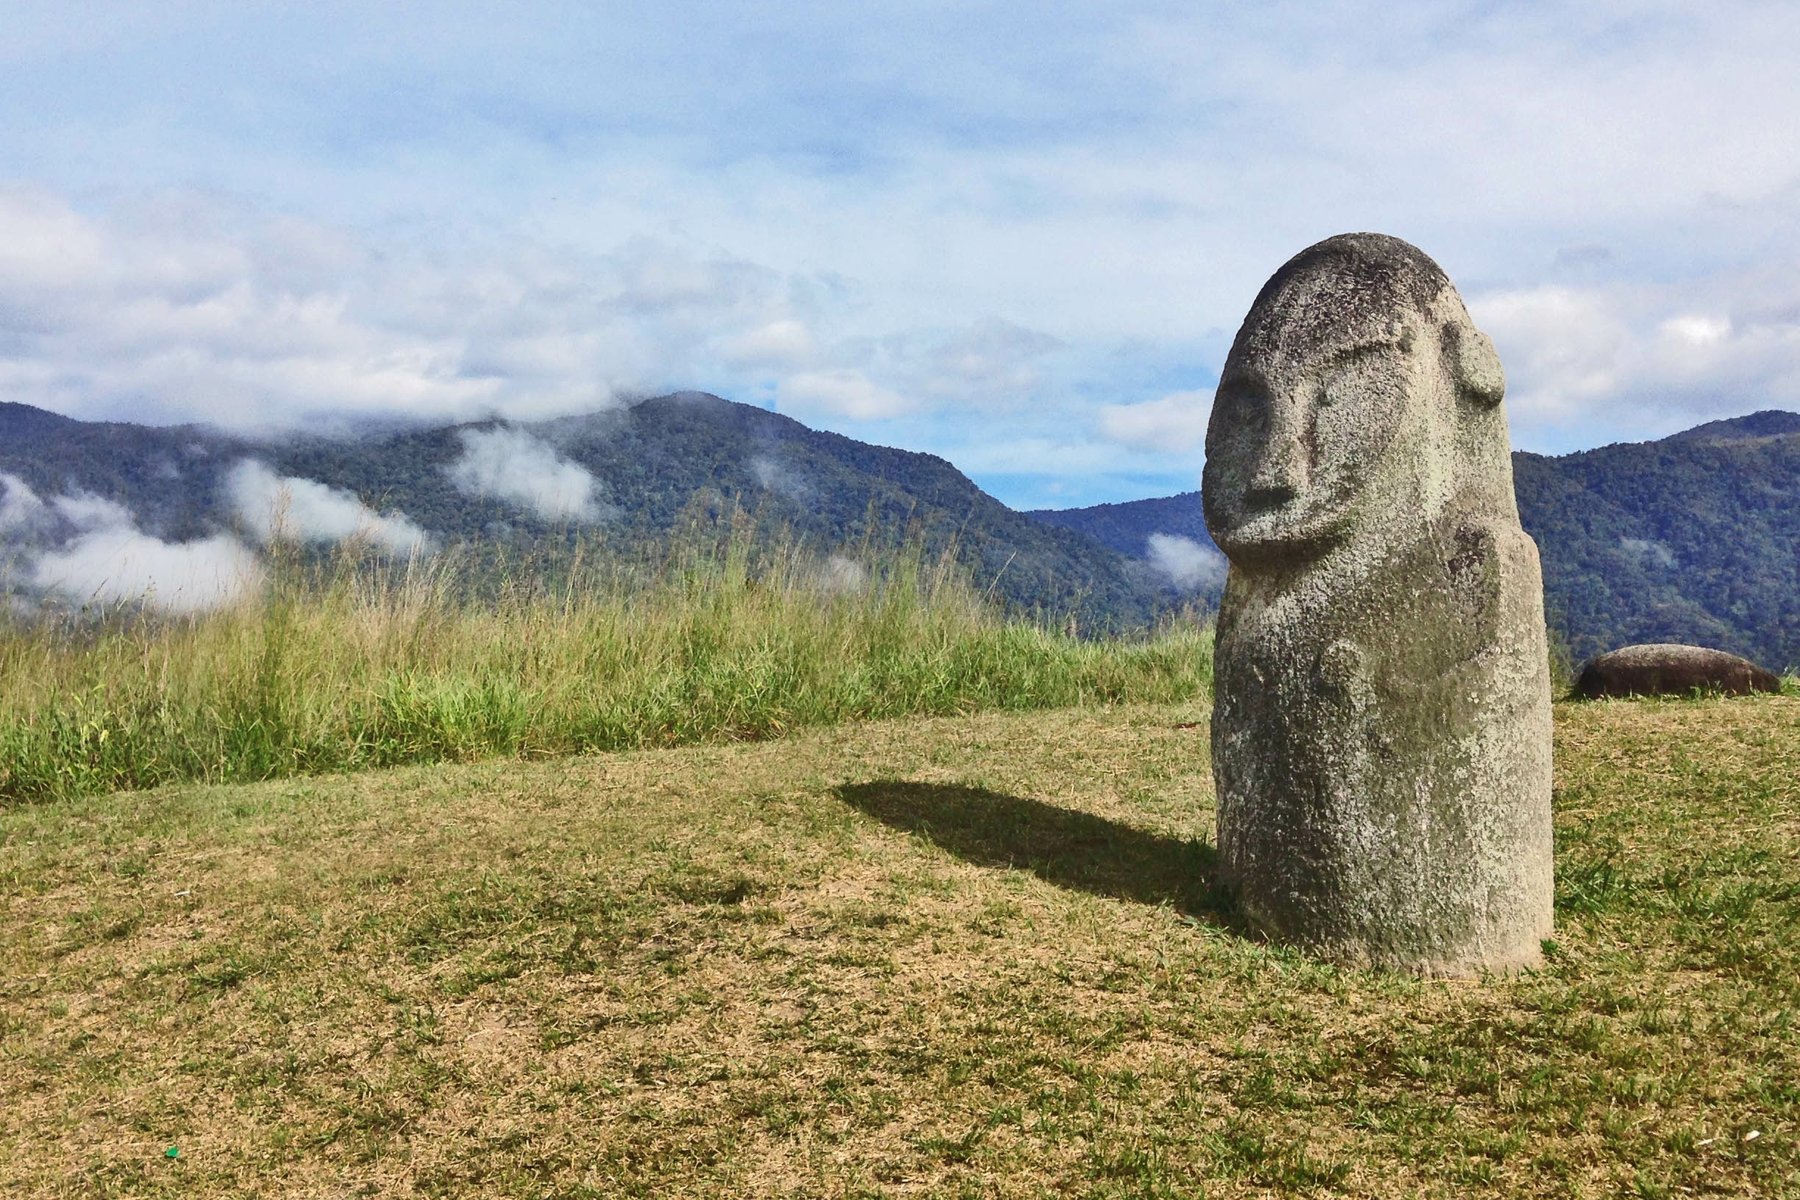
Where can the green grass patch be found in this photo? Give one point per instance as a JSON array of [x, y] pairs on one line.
[[344, 669], [960, 956]]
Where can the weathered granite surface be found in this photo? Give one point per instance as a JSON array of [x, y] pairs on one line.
[[1671, 669], [1381, 734]]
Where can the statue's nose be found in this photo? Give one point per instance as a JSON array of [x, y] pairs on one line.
[[1282, 471]]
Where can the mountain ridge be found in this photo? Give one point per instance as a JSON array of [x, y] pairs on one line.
[[1768, 422], [647, 467], [1692, 537]]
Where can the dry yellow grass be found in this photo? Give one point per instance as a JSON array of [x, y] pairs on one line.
[[959, 956]]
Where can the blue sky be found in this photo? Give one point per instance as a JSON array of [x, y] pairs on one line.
[[1016, 236]]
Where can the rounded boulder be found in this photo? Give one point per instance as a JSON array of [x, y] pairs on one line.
[[1671, 669]]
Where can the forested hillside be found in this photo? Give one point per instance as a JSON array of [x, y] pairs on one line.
[[1694, 538], [624, 478], [1690, 539], [1126, 527]]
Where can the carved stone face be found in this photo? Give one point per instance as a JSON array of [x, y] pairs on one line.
[[1325, 375]]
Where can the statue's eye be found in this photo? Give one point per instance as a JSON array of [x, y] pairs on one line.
[[1239, 404], [1359, 363]]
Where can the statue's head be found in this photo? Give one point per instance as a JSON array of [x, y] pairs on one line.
[[1343, 401]]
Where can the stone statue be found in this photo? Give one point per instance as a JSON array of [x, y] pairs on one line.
[[1381, 731]]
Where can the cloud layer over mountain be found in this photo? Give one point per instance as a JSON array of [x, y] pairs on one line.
[[1185, 563], [274, 506], [519, 468], [118, 564], [83, 549]]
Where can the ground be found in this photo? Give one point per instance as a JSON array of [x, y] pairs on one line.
[[966, 956]]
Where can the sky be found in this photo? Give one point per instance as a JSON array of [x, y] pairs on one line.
[[1017, 236]]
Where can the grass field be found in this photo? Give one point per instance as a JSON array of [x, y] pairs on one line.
[[339, 667], [964, 956]]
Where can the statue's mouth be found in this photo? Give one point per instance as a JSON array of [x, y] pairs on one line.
[[1290, 526]]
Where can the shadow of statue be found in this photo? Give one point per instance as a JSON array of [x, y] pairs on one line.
[[1063, 846]]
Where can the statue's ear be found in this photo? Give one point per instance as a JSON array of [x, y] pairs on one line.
[[1474, 364]]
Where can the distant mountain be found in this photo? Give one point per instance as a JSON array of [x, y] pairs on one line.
[[167, 475], [1687, 539], [1694, 538], [650, 466], [19, 422], [1771, 422], [1126, 527]]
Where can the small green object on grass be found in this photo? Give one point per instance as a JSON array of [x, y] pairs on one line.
[[172, 1152]]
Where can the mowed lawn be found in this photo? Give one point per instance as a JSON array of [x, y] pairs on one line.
[[958, 956]]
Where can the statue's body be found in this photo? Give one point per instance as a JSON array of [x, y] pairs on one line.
[[1381, 734]]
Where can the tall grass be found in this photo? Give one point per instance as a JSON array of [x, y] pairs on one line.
[[347, 667]]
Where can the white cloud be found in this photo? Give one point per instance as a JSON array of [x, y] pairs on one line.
[[1562, 348], [121, 565], [1175, 423], [844, 393], [1650, 358], [839, 575], [189, 307], [783, 343], [86, 511], [47, 246], [108, 560], [272, 506], [20, 507], [512, 465], [1696, 330], [1189, 565], [776, 477], [205, 313], [1647, 552], [992, 361]]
